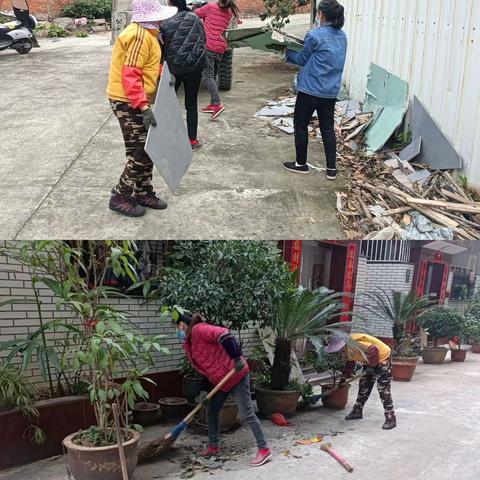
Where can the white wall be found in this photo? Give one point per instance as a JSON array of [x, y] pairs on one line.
[[435, 46], [371, 277], [17, 321]]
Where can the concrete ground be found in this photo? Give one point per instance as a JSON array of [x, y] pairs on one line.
[[62, 152], [437, 438]]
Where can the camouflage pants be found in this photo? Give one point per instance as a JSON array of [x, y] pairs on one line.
[[137, 175], [383, 375]]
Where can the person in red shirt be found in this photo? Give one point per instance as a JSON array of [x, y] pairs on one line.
[[216, 19], [213, 351]]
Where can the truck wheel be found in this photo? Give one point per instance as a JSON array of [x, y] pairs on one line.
[[225, 71]]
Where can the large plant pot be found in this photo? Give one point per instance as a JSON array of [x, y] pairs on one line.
[[174, 408], [191, 387], [403, 368], [476, 347], [100, 463], [276, 401], [434, 355], [146, 413], [338, 399], [228, 416], [458, 355]]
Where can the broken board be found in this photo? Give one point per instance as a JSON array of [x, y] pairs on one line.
[[437, 151], [168, 144], [387, 98], [268, 337]]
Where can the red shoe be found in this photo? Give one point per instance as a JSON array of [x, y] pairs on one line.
[[219, 109], [209, 452], [208, 109], [195, 144], [263, 456]]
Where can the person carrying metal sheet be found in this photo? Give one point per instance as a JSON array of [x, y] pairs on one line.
[[134, 73], [375, 359], [319, 82], [185, 53]]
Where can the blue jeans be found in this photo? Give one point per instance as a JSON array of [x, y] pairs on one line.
[[243, 399]]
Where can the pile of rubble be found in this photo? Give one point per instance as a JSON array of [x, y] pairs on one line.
[[403, 192], [387, 197]]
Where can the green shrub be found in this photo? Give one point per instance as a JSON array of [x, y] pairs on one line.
[[88, 9], [81, 34], [442, 322], [55, 31], [472, 324]]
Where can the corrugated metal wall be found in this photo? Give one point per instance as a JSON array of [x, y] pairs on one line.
[[435, 46]]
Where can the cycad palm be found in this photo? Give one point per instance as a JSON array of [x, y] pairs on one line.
[[301, 314], [401, 309]]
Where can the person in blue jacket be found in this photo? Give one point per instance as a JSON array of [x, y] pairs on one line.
[[319, 82]]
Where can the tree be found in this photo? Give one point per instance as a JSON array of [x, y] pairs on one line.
[[232, 283], [280, 10]]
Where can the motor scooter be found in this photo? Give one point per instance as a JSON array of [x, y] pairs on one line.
[[19, 33]]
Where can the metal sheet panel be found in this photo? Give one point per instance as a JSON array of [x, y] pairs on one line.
[[168, 144], [434, 45]]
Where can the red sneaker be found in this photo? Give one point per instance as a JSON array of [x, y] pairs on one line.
[[209, 452], [219, 109], [195, 144], [263, 456], [208, 109]]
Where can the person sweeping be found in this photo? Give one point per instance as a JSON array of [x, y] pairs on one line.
[[132, 83], [376, 361], [216, 19], [319, 82], [213, 351]]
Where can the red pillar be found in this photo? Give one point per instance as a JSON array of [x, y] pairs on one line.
[[348, 282]]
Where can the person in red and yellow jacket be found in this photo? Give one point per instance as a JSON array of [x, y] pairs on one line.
[[213, 351], [134, 73], [375, 358]]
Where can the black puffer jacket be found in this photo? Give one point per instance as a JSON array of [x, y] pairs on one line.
[[184, 39]]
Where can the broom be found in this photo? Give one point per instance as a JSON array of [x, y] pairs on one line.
[[316, 398], [155, 448]]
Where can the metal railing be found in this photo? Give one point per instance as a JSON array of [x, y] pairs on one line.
[[386, 251]]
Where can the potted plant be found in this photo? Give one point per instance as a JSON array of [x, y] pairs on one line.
[[439, 322], [17, 392], [146, 413], [112, 350], [334, 364], [192, 381], [302, 313], [402, 310], [472, 327]]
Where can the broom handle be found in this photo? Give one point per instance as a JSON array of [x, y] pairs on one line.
[[225, 379], [347, 382]]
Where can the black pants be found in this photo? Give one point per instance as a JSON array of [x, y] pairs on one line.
[[304, 109], [191, 85]]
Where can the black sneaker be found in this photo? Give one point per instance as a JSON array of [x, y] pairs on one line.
[[390, 422], [292, 167], [331, 173], [354, 415], [150, 200], [126, 205]]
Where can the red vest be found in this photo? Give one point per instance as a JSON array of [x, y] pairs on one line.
[[209, 358]]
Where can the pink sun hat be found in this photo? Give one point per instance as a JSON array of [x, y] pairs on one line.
[[151, 11], [335, 344]]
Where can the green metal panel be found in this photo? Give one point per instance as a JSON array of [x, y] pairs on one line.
[[262, 38], [387, 98]]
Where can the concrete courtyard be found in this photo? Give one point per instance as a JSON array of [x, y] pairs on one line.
[[62, 152], [437, 438]]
